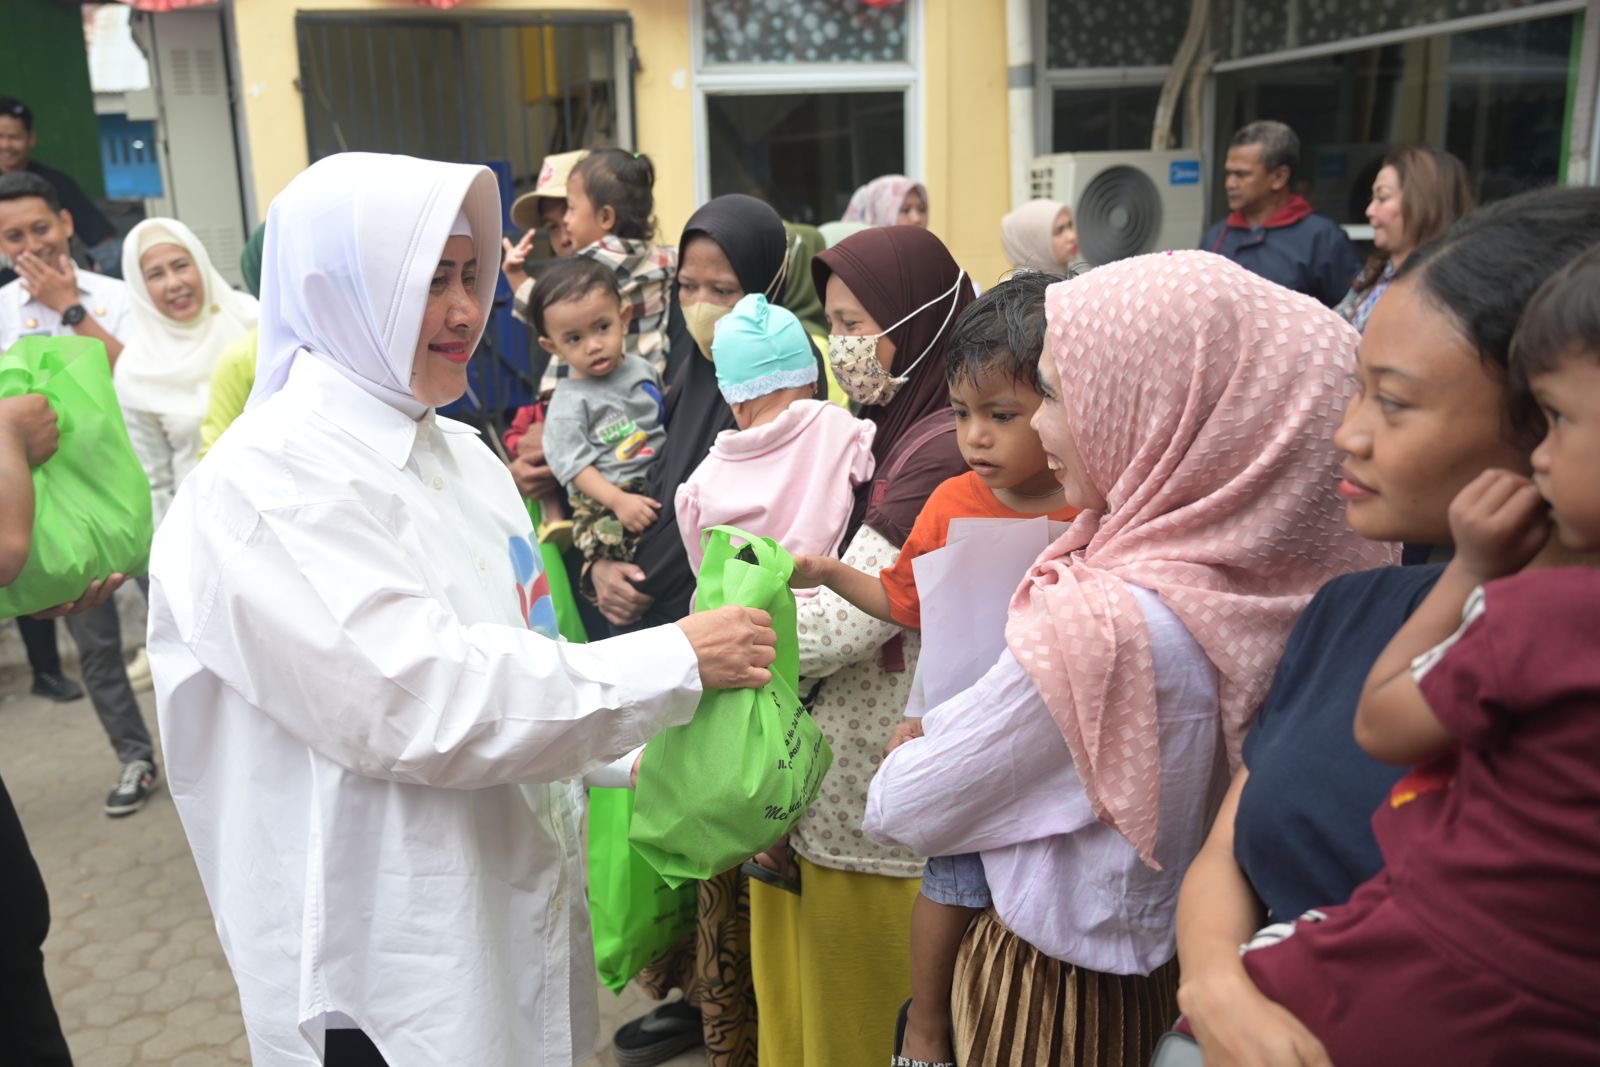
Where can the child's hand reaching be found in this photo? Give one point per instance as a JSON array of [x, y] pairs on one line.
[[1499, 522], [637, 512], [809, 572], [904, 730]]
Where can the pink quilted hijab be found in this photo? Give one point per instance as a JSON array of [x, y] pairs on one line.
[[1203, 400]]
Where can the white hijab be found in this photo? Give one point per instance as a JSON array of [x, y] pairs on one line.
[[351, 247], [165, 366]]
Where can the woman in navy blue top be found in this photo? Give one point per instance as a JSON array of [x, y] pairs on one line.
[[1433, 411]]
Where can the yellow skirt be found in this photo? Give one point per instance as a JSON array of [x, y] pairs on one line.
[[832, 966]]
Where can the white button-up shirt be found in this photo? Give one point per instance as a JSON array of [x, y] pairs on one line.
[[370, 750], [105, 299]]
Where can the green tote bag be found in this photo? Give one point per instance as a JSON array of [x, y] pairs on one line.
[[91, 499], [722, 787]]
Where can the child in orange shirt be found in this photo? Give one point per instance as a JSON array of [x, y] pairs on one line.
[[992, 364]]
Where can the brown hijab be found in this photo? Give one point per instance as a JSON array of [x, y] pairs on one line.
[[893, 270]]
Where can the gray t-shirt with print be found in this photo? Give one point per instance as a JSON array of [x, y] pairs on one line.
[[613, 424]]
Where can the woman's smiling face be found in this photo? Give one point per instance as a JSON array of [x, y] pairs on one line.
[[173, 280], [451, 320]]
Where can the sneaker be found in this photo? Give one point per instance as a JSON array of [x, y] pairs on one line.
[[133, 788], [139, 672], [58, 687]]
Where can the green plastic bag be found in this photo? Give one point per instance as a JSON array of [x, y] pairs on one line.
[[727, 784], [636, 915], [568, 621], [91, 499]]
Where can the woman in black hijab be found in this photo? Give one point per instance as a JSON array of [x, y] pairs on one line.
[[733, 245]]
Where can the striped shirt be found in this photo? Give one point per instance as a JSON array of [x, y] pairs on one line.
[[644, 273]]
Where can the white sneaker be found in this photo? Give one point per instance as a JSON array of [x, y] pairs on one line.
[[139, 672]]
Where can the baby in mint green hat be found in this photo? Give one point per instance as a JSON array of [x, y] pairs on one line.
[[790, 471]]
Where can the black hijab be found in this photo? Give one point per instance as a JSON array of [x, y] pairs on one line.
[[751, 235]]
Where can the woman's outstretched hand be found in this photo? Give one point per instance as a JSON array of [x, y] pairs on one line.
[[734, 645]]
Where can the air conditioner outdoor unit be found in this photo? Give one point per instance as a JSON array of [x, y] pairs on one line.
[[1126, 203]]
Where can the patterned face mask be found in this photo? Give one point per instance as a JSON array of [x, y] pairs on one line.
[[855, 357]]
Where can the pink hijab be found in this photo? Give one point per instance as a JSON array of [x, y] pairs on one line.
[[877, 203], [1203, 400]]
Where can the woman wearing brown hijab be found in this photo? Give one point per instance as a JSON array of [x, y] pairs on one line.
[[829, 963]]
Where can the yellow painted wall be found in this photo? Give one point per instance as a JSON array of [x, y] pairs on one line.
[[964, 107], [966, 142]]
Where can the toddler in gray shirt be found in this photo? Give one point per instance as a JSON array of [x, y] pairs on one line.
[[604, 426]]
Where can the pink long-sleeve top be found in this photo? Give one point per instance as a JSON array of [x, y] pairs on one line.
[[793, 480], [993, 775]]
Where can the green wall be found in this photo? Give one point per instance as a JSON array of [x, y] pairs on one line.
[[46, 65]]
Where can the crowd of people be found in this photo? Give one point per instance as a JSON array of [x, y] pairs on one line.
[[1233, 775]]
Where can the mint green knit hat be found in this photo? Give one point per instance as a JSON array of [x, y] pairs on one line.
[[759, 349]]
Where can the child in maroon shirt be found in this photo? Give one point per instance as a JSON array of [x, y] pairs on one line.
[[1479, 941]]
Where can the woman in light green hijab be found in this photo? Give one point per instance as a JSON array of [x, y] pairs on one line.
[[235, 372], [800, 295]]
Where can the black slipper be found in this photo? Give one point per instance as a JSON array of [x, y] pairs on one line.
[[657, 1037], [898, 1060]]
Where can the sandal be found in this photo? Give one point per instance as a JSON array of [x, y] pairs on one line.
[[898, 1060], [655, 1038]]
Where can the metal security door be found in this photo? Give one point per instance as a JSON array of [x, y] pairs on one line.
[[504, 90]]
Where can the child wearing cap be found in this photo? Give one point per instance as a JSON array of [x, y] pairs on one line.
[[790, 470]]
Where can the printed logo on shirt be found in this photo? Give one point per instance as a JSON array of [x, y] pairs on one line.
[[616, 429], [533, 588], [650, 390], [1435, 776], [624, 433]]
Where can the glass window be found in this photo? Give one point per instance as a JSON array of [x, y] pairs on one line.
[[803, 31], [804, 153], [1494, 97], [1245, 27], [1117, 119], [1112, 33]]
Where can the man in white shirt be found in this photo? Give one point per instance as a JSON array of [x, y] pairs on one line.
[[52, 297]]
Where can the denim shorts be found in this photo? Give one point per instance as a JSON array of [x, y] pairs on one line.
[[956, 880]]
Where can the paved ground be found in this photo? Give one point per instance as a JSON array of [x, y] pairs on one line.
[[133, 959]]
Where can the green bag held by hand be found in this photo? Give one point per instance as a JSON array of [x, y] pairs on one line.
[[91, 499], [725, 785], [636, 915]]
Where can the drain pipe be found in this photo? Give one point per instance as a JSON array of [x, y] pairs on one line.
[[1019, 94]]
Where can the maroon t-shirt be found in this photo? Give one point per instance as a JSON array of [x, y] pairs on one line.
[[1505, 861]]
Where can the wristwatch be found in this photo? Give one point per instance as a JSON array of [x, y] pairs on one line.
[[74, 315]]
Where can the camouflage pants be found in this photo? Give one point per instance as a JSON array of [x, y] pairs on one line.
[[596, 530]]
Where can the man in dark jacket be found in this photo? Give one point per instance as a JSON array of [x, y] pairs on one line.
[[1271, 230], [89, 223]]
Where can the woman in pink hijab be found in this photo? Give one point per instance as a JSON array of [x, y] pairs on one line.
[[1189, 411], [890, 200]]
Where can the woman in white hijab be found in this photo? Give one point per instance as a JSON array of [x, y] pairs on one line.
[[370, 733], [184, 314]]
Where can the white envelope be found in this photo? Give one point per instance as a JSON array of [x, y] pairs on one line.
[[965, 589]]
